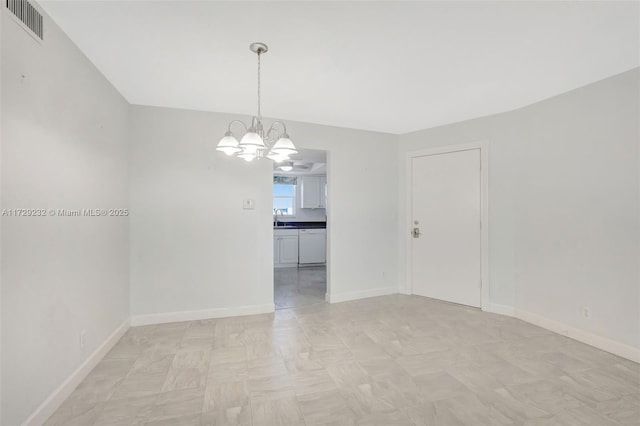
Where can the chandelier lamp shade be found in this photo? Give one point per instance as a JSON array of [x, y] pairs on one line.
[[256, 143]]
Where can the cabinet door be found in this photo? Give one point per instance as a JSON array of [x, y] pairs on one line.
[[310, 192], [289, 249], [323, 192], [276, 250]]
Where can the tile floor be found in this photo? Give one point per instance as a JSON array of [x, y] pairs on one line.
[[393, 360], [295, 287]]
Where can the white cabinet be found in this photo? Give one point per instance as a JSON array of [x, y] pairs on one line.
[[289, 249], [276, 250], [285, 247], [323, 192], [313, 192], [313, 246]]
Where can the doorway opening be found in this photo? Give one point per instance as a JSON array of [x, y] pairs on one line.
[[300, 230]]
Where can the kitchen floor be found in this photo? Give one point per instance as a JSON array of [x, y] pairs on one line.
[[295, 287], [391, 360]]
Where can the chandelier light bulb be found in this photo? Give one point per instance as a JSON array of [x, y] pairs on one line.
[[284, 146], [247, 156], [250, 149], [228, 144], [253, 139], [278, 158]]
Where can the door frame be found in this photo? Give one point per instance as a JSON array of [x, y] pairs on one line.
[[329, 174], [327, 212], [483, 146]]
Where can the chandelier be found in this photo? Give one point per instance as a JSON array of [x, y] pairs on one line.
[[256, 142]]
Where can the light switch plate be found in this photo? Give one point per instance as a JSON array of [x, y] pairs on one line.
[[247, 204]]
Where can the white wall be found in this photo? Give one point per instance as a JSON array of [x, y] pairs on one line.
[[564, 205], [64, 145], [193, 247]]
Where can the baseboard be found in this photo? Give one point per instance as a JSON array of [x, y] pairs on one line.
[[362, 294], [496, 308], [402, 289], [180, 316], [58, 396], [617, 348]]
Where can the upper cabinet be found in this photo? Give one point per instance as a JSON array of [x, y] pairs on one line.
[[323, 192], [313, 191]]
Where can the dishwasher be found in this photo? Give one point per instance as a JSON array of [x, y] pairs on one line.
[[312, 246]]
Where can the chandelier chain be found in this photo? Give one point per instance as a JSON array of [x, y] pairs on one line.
[[259, 113]]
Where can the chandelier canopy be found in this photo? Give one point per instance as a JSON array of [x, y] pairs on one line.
[[256, 142]]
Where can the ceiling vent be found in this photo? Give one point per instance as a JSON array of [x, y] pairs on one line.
[[27, 14]]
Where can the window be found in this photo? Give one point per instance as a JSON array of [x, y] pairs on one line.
[[284, 195]]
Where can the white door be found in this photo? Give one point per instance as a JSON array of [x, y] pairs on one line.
[[446, 211]]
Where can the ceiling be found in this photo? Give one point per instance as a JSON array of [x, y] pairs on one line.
[[392, 67]]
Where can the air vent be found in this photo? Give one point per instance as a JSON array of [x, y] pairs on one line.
[[28, 14]]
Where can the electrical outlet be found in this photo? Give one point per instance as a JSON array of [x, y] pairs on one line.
[[586, 312], [83, 335]]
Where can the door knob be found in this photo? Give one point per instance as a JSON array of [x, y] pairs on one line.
[[416, 232]]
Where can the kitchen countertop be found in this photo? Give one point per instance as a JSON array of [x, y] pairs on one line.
[[301, 225]]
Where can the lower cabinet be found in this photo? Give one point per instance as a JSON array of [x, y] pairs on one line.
[[292, 247], [288, 249], [285, 247], [312, 246]]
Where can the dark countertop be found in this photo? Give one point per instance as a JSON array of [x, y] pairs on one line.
[[300, 225]]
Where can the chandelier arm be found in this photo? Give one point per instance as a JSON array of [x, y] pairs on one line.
[[268, 134], [284, 127], [237, 121]]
